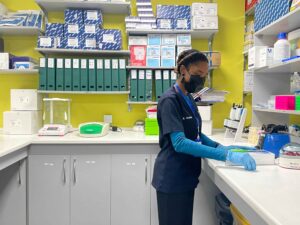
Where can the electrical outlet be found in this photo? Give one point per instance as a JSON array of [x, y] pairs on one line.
[[107, 119]]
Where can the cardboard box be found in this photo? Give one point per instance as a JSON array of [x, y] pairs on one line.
[[205, 22], [165, 11], [182, 12], [184, 39], [74, 43], [5, 62], [74, 30], [266, 56], [169, 39], [182, 24], [90, 31], [90, 43], [109, 39], [182, 48], [153, 51], [248, 81], [207, 127], [25, 99], [22, 122], [47, 42], [253, 57], [137, 40], [154, 39], [93, 17], [153, 61], [205, 112], [165, 24], [54, 30], [138, 55], [167, 62], [168, 51], [249, 4], [74, 16], [214, 58], [204, 9]]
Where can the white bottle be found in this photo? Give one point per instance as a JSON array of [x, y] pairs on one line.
[[295, 83], [282, 48]]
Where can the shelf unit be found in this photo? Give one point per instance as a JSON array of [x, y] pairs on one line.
[[55, 51], [13, 71], [20, 31], [131, 103], [86, 92], [275, 79], [106, 7]]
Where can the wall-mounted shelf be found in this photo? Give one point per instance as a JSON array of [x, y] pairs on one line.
[[130, 103], [13, 71], [158, 68], [290, 112], [20, 31], [47, 51], [106, 7], [196, 34], [287, 23], [285, 67], [86, 92]]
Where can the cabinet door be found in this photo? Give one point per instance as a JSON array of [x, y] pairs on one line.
[[90, 189], [13, 194], [130, 197], [154, 212], [49, 190]]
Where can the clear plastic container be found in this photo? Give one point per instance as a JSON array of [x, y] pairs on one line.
[[294, 39], [56, 111], [290, 156]]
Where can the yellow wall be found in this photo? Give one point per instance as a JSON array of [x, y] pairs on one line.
[[229, 77]]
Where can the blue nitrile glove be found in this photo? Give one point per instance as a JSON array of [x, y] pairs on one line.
[[241, 159], [238, 147]]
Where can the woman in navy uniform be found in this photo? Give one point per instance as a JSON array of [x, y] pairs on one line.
[[178, 164]]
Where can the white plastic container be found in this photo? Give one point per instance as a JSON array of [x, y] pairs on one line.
[[294, 39], [282, 48]]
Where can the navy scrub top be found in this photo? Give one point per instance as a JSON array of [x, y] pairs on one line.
[[176, 172]]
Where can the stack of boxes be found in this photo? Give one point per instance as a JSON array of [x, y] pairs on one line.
[[8, 61], [156, 50], [25, 117], [249, 36], [82, 30], [73, 74], [204, 16]]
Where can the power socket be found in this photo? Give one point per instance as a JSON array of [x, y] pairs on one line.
[[107, 119]]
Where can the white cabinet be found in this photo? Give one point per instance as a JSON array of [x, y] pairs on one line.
[[69, 190], [13, 194], [154, 212], [90, 190], [49, 193], [130, 189]]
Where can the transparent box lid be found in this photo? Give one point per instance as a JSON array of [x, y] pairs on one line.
[[56, 111]]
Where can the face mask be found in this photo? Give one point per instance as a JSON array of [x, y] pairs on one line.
[[195, 82]]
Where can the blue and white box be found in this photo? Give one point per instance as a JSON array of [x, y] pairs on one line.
[[46, 42], [74, 30], [153, 61], [167, 62], [184, 39], [54, 30], [109, 39], [182, 48], [154, 39], [168, 51], [165, 24], [165, 11], [183, 24], [74, 43], [74, 16], [169, 39], [182, 12], [93, 17], [267, 11], [61, 42], [90, 30], [90, 43], [153, 51]]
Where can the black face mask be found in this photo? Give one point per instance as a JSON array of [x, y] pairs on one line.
[[196, 82]]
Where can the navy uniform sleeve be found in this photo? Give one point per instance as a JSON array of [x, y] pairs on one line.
[[170, 116]]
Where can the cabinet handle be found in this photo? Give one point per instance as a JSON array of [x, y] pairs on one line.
[[146, 170], [20, 178], [74, 171], [64, 171]]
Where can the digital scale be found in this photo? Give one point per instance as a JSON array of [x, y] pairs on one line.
[[56, 117]]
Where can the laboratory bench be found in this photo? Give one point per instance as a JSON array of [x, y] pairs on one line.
[[75, 180]]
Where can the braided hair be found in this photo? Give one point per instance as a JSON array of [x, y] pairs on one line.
[[188, 57]]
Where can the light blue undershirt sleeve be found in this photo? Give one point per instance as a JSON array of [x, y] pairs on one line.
[[184, 145], [207, 141]]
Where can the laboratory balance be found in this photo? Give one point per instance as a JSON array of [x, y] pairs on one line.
[[56, 117]]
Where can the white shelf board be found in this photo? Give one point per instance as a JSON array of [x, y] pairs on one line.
[[13, 71], [196, 34], [86, 92], [141, 103], [82, 51], [159, 68], [286, 67], [106, 7], [290, 112], [286, 23], [20, 31]]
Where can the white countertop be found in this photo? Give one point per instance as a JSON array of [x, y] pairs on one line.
[[12, 143]]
